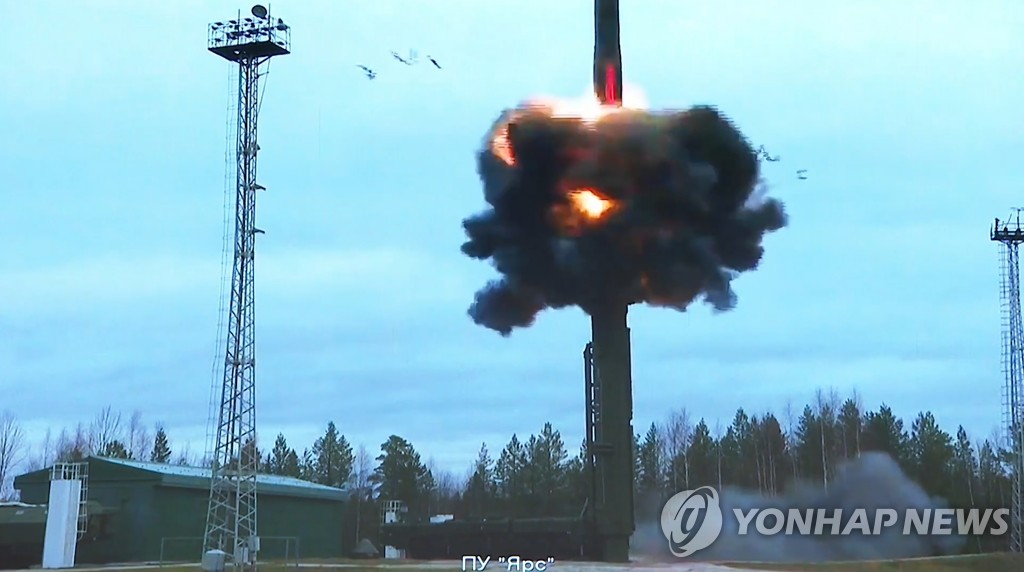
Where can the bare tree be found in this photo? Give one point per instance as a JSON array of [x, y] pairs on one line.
[[12, 450], [858, 401], [826, 404], [185, 458], [44, 455], [139, 442], [363, 468], [72, 447], [677, 431], [998, 440], [361, 475], [105, 429], [790, 433], [718, 448], [448, 485]]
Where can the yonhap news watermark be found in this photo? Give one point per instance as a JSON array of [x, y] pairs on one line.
[[692, 520]]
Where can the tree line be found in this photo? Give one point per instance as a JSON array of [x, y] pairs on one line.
[[537, 475]]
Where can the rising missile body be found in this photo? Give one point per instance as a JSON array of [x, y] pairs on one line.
[[610, 429], [607, 52]]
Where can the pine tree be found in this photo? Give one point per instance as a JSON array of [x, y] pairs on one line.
[[850, 421], [250, 455], [990, 475], [401, 475], [278, 456], [480, 487], [884, 432], [729, 457], [307, 466], [510, 477], [772, 454], [547, 459], [650, 480], [531, 502], [333, 458], [809, 438], [115, 449], [703, 456], [292, 465], [966, 474], [740, 451], [932, 455], [578, 479], [161, 447]]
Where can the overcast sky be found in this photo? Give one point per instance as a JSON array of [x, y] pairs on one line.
[[112, 138]]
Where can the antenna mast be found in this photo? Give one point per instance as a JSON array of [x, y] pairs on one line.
[[1011, 235], [248, 42]]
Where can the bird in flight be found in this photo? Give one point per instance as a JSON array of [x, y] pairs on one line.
[[370, 74], [802, 174], [763, 153], [411, 59], [433, 61]]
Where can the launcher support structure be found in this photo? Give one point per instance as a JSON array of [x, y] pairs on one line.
[[1010, 235], [609, 390], [249, 43], [610, 382]]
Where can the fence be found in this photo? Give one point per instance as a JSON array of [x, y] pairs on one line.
[[188, 549], [180, 549]]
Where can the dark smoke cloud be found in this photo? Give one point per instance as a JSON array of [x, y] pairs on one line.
[[687, 218], [870, 482]]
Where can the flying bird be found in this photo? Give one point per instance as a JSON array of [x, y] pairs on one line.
[[407, 61], [433, 61], [370, 74], [802, 174], [762, 152]]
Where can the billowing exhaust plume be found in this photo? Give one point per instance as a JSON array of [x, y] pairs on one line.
[[619, 207], [872, 481]]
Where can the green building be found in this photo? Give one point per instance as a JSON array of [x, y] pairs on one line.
[[158, 511]]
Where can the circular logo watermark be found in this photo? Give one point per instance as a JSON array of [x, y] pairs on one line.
[[691, 520]]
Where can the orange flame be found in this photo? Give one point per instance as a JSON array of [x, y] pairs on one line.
[[589, 203], [501, 147], [588, 109]]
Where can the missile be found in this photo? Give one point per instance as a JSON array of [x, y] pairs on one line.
[[607, 53], [613, 467]]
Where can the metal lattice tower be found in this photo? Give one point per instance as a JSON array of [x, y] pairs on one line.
[[1010, 235], [249, 43]]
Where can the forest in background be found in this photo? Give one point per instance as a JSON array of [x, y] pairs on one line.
[[541, 476]]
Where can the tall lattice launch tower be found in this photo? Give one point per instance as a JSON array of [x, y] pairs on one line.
[[249, 43], [1010, 235]]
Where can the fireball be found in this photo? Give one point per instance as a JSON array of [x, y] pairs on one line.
[[589, 203], [592, 204], [588, 109]]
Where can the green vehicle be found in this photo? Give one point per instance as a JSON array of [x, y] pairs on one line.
[[23, 526]]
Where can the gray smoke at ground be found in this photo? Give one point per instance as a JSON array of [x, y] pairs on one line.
[[871, 482], [635, 207]]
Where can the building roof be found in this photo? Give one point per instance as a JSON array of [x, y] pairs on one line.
[[269, 483], [199, 477]]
